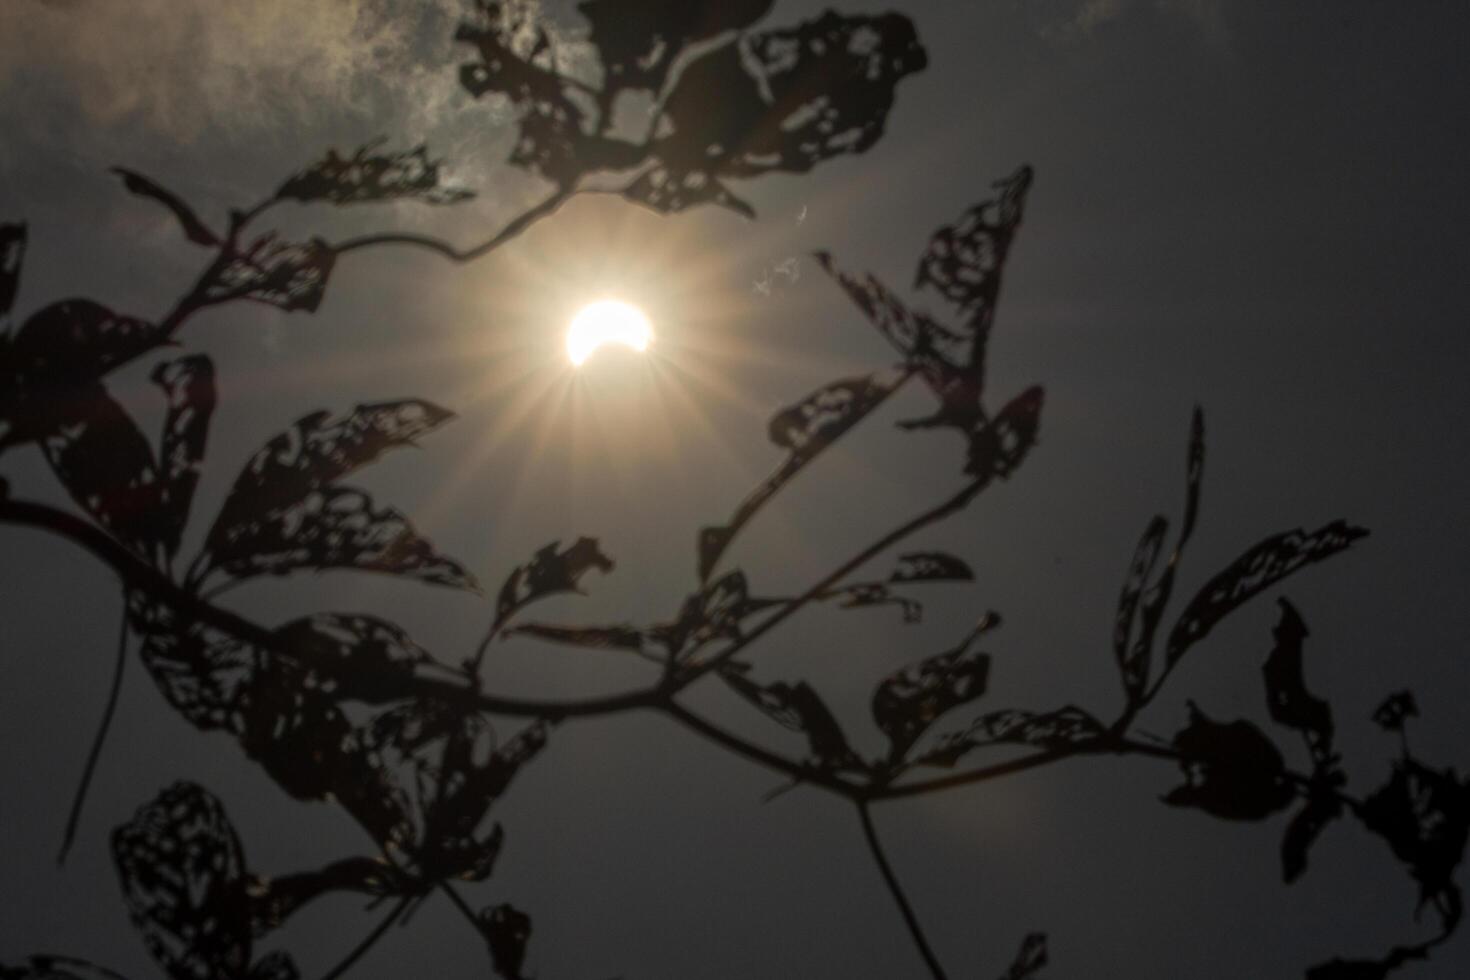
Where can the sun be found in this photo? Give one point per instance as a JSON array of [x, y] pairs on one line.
[[607, 321]]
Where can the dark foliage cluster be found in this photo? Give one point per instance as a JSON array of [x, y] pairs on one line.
[[346, 708]]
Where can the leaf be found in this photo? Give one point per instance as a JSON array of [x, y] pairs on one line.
[[12, 257], [194, 229], [507, 930], [1063, 728], [77, 341], [1395, 711], [1258, 569], [638, 41], [1145, 556], [188, 384], [1135, 661], [354, 657], [910, 700], [183, 878], [284, 509], [287, 275], [367, 177], [963, 261], [997, 449], [931, 566], [105, 463], [804, 430], [800, 708], [1232, 770], [1287, 696], [666, 192], [550, 571], [715, 611], [336, 527], [275, 966], [1424, 814], [1030, 958], [597, 637], [869, 594]]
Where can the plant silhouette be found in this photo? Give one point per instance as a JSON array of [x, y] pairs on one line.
[[346, 708]]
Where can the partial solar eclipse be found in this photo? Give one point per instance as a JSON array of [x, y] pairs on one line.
[[607, 322]]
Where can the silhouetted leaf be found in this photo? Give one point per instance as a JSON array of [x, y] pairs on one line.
[[1231, 769], [870, 594], [1287, 696], [275, 966], [1424, 814], [107, 466], [1030, 958], [799, 708], [183, 878], [507, 930], [1252, 573], [998, 448], [188, 383], [75, 342], [931, 566], [638, 40], [354, 657], [338, 527], [284, 511], [789, 99], [715, 611], [12, 257], [1135, 673], [287, 275], [550, 571], [805, 430], [1063, 728], [367, 176], [597, 637], [963, 261], [194, 229], [667, 192], [1135, 661], [909, 701], [1395, 711]]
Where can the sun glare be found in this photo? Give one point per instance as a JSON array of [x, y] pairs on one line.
[[607, 322]]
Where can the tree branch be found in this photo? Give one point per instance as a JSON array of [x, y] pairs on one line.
[[896, 890]]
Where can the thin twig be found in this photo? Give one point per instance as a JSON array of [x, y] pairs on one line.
[[546, 208], [97, 741], [896, 890], [368, 941]]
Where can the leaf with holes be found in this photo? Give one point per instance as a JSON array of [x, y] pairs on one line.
[[507, 930], [909, 701], [368, 177], [963, 261], [184, 881], [799, 708], [551, 571], [1290, 702], [638, 41], [284, 274], [188, 384], [1064, 728], [1252, 573]]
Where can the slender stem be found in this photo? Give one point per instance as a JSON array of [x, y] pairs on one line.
[[368, 941], [97, 741], [462, 905], [527, 219], [757, 754], [955, 503], [896, 890]]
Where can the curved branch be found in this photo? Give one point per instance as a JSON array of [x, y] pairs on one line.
[[545, 209], [896, 890], [98, 740]]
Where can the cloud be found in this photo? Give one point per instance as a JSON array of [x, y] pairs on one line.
[[1073, 20], [77, 76]]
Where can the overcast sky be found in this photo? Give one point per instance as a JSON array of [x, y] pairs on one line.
[[1256, 206]]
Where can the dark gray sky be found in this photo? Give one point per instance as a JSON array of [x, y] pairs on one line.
[[1254, 206]]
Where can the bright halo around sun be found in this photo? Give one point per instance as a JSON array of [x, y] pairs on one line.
[[608, 321]]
